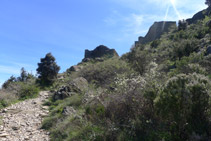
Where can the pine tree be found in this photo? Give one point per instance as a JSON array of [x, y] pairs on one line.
[[23, 75], [47, 69]]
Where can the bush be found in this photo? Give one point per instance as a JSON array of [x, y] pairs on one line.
[[188, 65], [182, 25], [184, 48], [184, 106], [6, 98], [103, 73], [139, 59], [155, 43], [28, 91], [8, 82]]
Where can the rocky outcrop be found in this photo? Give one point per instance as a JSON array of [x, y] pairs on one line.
[[75, 87], [99, 52], [156, 31], [75, 68], [199, 16]]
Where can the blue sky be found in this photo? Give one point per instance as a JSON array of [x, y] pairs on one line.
[[31, 28]]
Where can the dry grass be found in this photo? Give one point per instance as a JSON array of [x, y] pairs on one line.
[[7, 98]]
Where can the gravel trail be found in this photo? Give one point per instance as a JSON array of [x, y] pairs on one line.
[[22, 121]]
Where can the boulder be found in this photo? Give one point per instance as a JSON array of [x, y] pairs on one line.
[[75, 87], [75, 68], [99, 52], [80, 83]]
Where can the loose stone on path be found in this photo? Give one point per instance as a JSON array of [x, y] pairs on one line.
[[22, 121]]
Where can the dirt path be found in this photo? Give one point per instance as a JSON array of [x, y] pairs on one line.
[[22, 121]]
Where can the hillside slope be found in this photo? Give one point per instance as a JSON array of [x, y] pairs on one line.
[[158, 91]]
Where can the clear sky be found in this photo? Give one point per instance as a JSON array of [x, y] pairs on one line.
[[31, 28]]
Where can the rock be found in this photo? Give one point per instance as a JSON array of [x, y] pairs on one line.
[[156, 31], [68, 111], [33, 102], [75, 87], [45, 107], [99, 59], [15, 127], [208, 51], [4, 134], [75, 68], [4, 110], [86, 59], [99, 52], [80, 83], [26, 138]]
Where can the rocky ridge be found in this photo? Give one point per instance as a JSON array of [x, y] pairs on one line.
[[156, 31], [98, 52], [22, 121]]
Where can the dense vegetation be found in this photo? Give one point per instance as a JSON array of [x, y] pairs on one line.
[[158, 91], [20, 88]]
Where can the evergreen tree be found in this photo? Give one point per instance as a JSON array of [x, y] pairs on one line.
[[182, 25], [9, 81], [23, 75], [47, 69]]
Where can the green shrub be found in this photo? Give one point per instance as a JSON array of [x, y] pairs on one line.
[[188, 65], [184, 48], [155, 43], [7, 98], [139, 59], [47, 123], [183, 105], [28, 91], [103, 73], [3, 104]]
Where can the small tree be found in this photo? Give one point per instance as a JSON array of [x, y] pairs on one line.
[[182, 25], [208, 2], [8, 82], [47, 69], [23, 75]]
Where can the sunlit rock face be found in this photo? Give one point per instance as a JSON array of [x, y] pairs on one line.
[[155, 31]]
